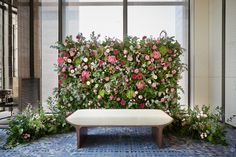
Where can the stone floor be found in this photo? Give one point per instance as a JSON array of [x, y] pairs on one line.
[[119, 142]]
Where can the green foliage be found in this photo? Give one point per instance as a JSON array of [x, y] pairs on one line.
[[199, 123], [31, 125]]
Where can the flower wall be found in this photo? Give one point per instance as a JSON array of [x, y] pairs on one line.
[[134, 73]]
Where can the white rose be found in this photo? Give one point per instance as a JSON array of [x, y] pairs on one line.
[[154, 77], [140, 96], [85, 59], [72, 71], [88, 83]]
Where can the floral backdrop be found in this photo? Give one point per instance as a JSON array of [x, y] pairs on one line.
[[134, 73]]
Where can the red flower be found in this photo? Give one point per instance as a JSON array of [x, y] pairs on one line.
[[166, 64], [59, 82], [134, 76], [115, 52], [66, 55], [60, 60], [123, 102], [144, 37], [122, 62], [141, 105], [151, 67]]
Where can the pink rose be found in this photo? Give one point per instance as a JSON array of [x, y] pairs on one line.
[[169, 50], [154, 47], [125, 52], [71, 67], [162, 99], [154, 85], [123, 102], [169, 59], [142, 105], [107, 79], [136, 71], [63, 69], [85, 76], [172, 90], [117, 99], [156, 54], [173, 71], [112, 59], [111, 97], [147, 57], [140, 85], [100, 62], [60, 60]]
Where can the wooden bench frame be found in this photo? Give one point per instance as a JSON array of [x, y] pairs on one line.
[[157, 131]]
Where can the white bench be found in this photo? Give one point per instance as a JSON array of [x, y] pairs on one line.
[[83, 118]]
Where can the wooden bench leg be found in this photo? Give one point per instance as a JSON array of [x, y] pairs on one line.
[[81, 132], [158, 135]]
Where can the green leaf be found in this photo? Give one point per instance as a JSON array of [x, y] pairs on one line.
[[78, 61], [130, 94], [102, 92], [163, 50]]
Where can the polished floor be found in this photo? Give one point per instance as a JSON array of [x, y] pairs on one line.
[[119, 142]]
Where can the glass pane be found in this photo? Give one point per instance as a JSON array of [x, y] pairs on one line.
[[230, 45], [1, 51], [104, 20], [151, 20], [49, 26]]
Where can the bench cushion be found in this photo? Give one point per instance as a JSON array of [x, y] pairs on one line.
[[119, 117]]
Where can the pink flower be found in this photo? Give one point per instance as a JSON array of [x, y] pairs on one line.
[[172, 90], [100, 62], [117, 99], [115, 52], [125, 52], [162, 99], [107, 79], [63, 69], [154, 47], [162, 60], [60, 60], [99, 97], [162, 80], [173, 71], [136, 71], [141, 105], [169, 50], [112, 59], [147, 57], [140, 85], [169, 59], [85, 75], [123, 102], [71, 67], [72, 53], [154, 85], [111, 97], [158, 40], [156, 54]]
